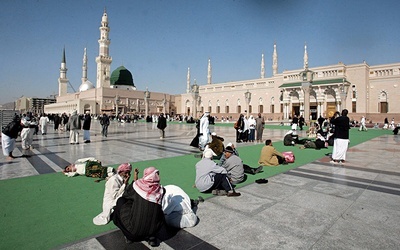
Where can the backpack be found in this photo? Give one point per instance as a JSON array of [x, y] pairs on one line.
[[289, 156], [236, 125]]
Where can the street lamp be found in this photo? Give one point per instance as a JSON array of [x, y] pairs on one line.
[[195, 95], [247, 96], [343, 88], [306, 85], [146, 102], [116, 105]]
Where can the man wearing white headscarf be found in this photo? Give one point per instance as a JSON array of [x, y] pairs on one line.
[[204, 131]]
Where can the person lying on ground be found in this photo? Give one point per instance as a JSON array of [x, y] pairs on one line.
[[114, 188], [89, 167]]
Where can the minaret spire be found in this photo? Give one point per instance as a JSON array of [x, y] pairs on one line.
[[275, 61], [84, 67], [104, 59], [209, 72], [188, 81], [63, 80], [262, 66], [305, 56]]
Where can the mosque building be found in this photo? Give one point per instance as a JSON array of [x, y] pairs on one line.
[[115, 92], [364, 90]]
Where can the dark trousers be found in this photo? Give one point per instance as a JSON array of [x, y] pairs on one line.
[[221, 182]]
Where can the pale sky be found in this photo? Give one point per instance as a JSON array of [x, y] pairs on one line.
[[158, 40]]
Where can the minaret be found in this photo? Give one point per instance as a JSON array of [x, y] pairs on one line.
[[209, 72], [262, 66], [103, 60], [63, 80], [84, 67], [275, 61], [305, 57], [188, 81]]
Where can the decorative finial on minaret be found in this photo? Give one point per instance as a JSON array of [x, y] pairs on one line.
[[262, 66], [209, 72], [305, 56], [188, 81], [275, 61]]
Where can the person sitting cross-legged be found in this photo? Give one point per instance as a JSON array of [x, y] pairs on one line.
[[212, 178], [235, 167], [270, 156]]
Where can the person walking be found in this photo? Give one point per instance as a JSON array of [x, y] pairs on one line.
[[259, 127], [204, 130], [362, 124], [75, 125], [161, 125], [43, 121], [87, 119], [105, 122], [252, 125]]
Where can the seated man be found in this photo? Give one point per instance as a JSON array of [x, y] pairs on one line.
[[115, 187], [178, 207], [247, 168], [270, 156], [216, 144], [291, 138], [212, 178], [89, 167]]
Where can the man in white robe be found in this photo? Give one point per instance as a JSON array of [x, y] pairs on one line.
[[204, 131], [115, 187]]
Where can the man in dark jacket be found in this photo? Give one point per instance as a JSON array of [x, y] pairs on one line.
[[341, 137], [86, 127], [105, 122], [161, 125]]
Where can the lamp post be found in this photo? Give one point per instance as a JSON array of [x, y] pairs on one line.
[[247, 96], [195, 95], [343, 88], [116, 105], [146, 102], [306, 85]]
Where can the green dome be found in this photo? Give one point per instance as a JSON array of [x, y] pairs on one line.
[[121, 76]]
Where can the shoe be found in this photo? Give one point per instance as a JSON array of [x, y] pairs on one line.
[[262, 181], [258, 170], [152, 241], [233, 194], [200, 199], [215, 192], [222, 193], [127, 241], [333, 162]]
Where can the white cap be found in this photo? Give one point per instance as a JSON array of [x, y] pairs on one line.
[[229, 144], [208, 154], [213, 133]]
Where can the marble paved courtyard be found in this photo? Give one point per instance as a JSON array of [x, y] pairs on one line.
[[316, 206]]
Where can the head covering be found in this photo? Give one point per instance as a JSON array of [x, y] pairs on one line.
[[124, 167], [74, 112], [208, 154], [229, 144], [213, 133], [149, 187], [229, 149]]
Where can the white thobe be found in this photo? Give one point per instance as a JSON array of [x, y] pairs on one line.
[[115, 187]]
